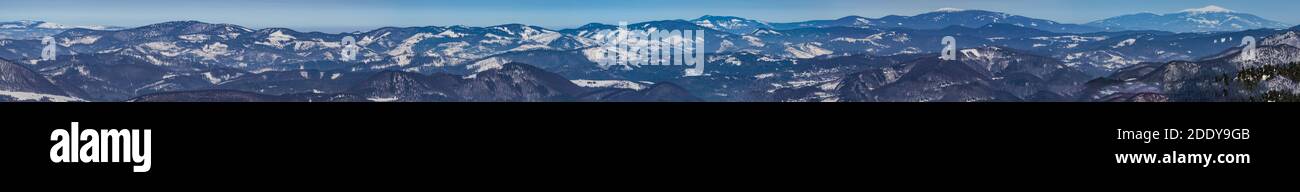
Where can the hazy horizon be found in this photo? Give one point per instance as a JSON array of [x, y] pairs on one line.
[[347, 16]]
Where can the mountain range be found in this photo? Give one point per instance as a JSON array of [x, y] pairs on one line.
[[1001, 57], [27, 29], [938, 19], [1206, 19]]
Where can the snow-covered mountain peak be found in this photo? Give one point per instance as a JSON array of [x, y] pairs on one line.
[[949, 9], [1208, 9], [731, 24]]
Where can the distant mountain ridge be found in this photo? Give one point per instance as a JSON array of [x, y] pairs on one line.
[[27, 29], [1206, 19], [937, 19]]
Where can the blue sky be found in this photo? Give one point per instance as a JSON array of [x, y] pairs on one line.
[[345, 15]]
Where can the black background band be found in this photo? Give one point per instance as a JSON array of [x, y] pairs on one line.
[[544, 145]]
